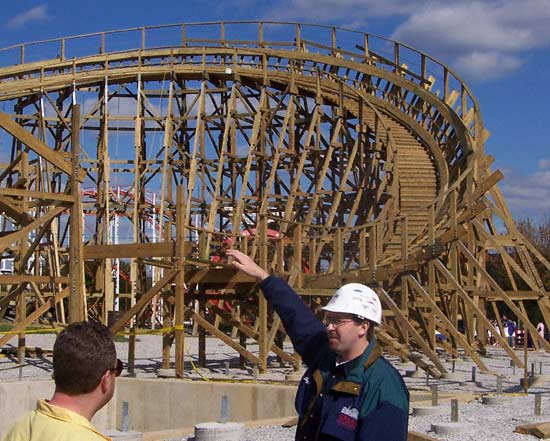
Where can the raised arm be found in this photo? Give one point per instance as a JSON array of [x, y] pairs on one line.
[[307, 333], [244, 263]]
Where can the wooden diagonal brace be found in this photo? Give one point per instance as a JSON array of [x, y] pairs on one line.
[[142, 302], [35, 315], [37, 146], [223, 337], [401, 319], [7, 240]]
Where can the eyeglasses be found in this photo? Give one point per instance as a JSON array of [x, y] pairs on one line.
[[336, 321], [118, 368]]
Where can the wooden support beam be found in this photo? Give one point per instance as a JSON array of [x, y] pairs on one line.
[[10, 208], [40, 148], [467, 300], [36, 314], [23, 279], [42, 195], [451, 328], [143, 301], [223, 337], [407, 327], [180, 282], [10, 238], [77, 298], [133, 250], [532, 330]]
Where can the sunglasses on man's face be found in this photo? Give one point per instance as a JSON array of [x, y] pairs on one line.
[[118, 368]]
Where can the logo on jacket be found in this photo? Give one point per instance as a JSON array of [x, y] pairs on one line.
[[348, 418]]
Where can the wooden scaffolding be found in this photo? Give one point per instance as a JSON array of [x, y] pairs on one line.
[[329, 155]]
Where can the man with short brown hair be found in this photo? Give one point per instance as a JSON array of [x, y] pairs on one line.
[[85, 367], [349, 391]]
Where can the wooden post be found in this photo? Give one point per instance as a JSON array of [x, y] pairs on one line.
[[338, 250], [372, 251], [202, 331], [167, 337], [180, 281], [432, 293], [405, 307], [76, 256], [297, 260], [362, 247], [263, 337], [21, 310], [525, 371]]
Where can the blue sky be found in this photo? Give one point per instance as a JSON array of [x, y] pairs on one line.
[[501, 47]]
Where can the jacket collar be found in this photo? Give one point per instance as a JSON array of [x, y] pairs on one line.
[[355, 368]]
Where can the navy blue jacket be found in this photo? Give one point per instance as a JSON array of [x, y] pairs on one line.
[[363, 400]]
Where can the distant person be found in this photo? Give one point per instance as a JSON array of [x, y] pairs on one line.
[[509, 330], [84, 368], [349, 391], [541, 329]]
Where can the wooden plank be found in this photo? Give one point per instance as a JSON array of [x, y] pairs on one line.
[[229, 123], [77, 299], [480, 316], [180, 283], [213, 277], [223, 337], [451, 328], [16, 279], [35, 315], [40, 148], [13, 210], [133, 250], [251, 333], [15, 236], [540, 430], [416, 436], [44, 196], [533, 331], [401, 319], [142, 302]]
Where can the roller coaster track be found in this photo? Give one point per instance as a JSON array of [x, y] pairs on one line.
[[364, 154]]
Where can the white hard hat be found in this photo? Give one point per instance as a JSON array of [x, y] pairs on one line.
[[357, 299]]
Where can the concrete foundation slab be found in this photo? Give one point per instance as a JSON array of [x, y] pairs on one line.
[[536, 380], [117, 435], [166, 373], [453, 376], [219, 432], [423, 411], [449, 428], [493, 400], [415, 373], [294, 376], [161, 405]]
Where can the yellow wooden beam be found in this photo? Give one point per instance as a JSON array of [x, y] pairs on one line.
[[37, 146]]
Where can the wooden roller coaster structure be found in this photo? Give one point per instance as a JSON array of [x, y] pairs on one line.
[[329, 155]]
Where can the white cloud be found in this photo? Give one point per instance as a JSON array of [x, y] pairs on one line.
[[353, 13], [486, 65], [528, 196], [481, 39], [38, 13]]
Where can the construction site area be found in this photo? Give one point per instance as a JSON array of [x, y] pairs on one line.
[[132, 160]]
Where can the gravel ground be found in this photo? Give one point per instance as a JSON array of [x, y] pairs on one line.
[[477, 421]]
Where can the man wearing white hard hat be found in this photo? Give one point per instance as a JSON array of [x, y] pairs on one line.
[[349, 391]]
